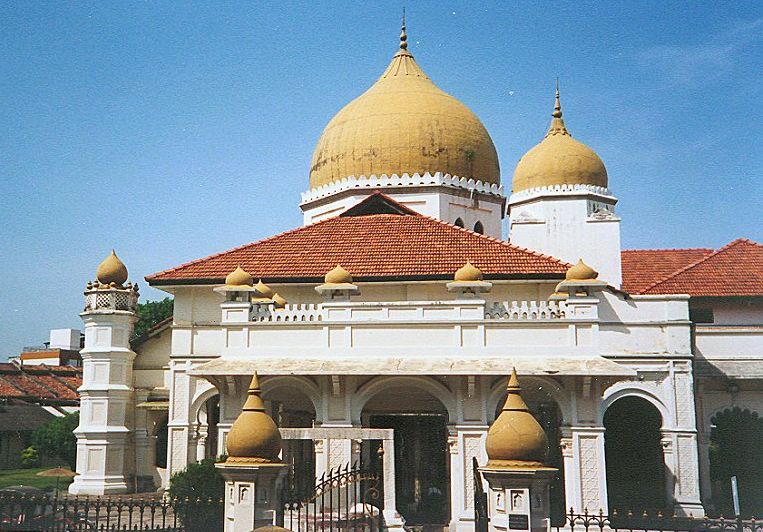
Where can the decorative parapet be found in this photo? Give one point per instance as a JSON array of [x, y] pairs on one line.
[[110, 298], [401, 181], [526, 310], [411, 311], [560, 190]]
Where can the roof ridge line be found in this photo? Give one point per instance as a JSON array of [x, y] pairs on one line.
[[698, 262], [505, 243], [669, 249], [214, 255]]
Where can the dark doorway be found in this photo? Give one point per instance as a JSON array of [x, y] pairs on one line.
[[736, 449], [421, 466], [635, 464]]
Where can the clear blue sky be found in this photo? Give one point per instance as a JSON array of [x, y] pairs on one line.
[[171, 130]]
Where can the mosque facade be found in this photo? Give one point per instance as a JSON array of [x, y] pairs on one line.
[[395, 313]]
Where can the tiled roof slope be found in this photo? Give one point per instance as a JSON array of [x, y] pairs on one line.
[[43, 384], [372, 244], [642, 267], [733, 270]]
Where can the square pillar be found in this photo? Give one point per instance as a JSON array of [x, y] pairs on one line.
[[251, 494], [519, 498]]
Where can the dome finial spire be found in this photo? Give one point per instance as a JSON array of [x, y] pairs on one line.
[[403, 34], [557, 122]]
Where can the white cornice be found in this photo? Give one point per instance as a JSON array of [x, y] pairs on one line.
[[562, 190], [401, 181]]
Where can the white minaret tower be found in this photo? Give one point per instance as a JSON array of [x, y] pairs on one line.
[[561, 205], [106, 393]]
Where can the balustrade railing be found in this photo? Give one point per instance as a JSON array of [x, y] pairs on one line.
[[525, 310]]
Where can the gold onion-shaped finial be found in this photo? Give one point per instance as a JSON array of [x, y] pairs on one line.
[[239, 277], [557, 126], [515, 438], [403, 35], [263, 289], [254, 436], [468, 273], [338, 275], [279, 301], [111, 270], [581, 272]]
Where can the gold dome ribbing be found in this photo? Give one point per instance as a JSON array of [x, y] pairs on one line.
[[404, 124], [559, 160]]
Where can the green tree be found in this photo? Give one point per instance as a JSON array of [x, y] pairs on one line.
[[150, 313], [56, 438], [30, 457], [202, 485]]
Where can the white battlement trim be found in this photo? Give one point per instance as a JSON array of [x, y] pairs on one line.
[[526, 310], [560, 190], [400, 181], [411, 311]]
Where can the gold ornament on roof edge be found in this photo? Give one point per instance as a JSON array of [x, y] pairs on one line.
[[338, 275], [263, 289], [279, 301], [404, 123], [581, 272], [239, 277], [468, 272], [516, 439], [559, 160], [254, 436], [111, 270]]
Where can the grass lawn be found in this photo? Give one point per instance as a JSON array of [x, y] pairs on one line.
[[28, 477]]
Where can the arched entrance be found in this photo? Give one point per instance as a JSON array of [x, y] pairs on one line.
[[290, 407], [420, 421], [540, 401], [633, 453], [206, 429], [736, 449]]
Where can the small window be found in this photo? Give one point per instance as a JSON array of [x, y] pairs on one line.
[[478, 228], [701, 315], [459, 222]]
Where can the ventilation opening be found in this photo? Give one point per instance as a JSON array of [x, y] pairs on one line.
[[459, 222], [478, 228]]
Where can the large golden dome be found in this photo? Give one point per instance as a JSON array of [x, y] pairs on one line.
[[404, 124], [559, 160]]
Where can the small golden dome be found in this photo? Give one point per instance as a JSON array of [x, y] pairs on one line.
[[279, 301], [559, 160], [581, 272], [111, 270], [239, 277], [516, 438], [254, 435], [468, 272], [263, 289], [338, 276], [404, 124]]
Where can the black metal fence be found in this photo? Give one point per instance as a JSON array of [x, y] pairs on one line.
[[657, 522], [345, 499], [481, 519], [52, 513]]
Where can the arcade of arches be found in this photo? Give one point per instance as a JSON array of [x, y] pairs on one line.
[[637, 475]]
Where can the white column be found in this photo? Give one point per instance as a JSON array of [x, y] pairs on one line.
[[464, 443], [591, 479], [106, 393], [571, 476]]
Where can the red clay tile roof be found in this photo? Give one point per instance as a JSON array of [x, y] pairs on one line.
[[734, 270], [642, 267], [372, 243], [46, 384]]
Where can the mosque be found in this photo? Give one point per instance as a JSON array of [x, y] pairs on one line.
[[394, 314]]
